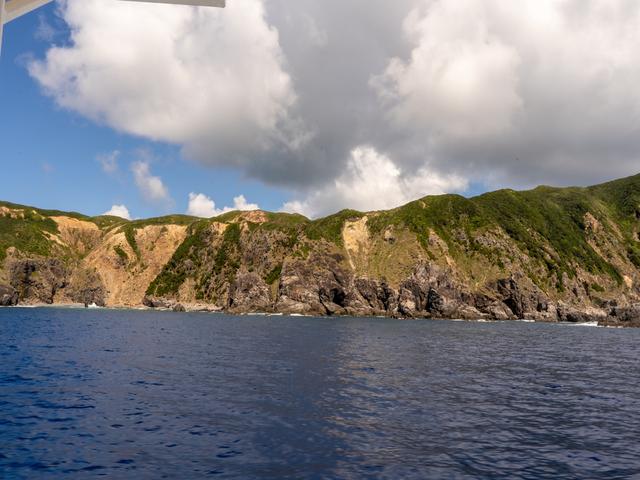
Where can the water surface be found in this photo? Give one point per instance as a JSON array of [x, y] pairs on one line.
[[129, 394]]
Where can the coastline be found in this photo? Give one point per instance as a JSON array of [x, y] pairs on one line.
[[603, 322]]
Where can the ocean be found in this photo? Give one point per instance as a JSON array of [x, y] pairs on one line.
[[144, 394]]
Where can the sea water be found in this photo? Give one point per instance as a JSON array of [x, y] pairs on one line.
[[135, 394]]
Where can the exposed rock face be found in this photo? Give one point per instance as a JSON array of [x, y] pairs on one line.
[[316, 286], [249, 293], [85, 286], [37, 280], [153, 302], [548, 254], [624, 316], [127, 275], [8, 296]]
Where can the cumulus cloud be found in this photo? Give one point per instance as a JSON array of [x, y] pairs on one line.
[[210, 80], [494, 92], [372, 181], [119, 211], [521, 93], [109, 162], [151, 187], [202, 206], [461, 79]]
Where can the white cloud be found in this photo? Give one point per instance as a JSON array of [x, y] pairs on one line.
[[519, 92], [374, 182], [240, 203], [109, 162], [461, 79], [44, 32], [211, 80], [151, 186], [119, 211], [202, 206], [499, 92]]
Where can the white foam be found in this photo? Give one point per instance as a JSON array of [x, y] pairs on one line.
[[581, 324]]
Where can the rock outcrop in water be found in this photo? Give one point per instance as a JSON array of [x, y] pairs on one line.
[[547, 254]]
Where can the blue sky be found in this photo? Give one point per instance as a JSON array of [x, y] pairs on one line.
[[314, 106], [50, 155]]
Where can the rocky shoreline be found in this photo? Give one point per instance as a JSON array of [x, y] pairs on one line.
[[547, 255], [621, 318], [429, 293], [323, 286]]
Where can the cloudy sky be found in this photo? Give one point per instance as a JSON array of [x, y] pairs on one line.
[[314, 105]]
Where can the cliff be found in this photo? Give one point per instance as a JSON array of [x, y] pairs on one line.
[[548, 254]]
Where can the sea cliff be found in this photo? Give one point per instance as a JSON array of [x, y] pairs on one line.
[[548, 254]]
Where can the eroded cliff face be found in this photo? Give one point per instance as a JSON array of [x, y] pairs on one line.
[[87, 264], [247, 267], [546, 255]]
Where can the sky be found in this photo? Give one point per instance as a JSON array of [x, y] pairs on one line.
[[315, 105]]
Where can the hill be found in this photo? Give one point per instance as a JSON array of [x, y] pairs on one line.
[[549, 254]]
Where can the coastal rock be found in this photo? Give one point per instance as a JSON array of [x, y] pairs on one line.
[[37, 280], [154, 302], [571, 314], [373, 296], [85, 286], [623, 316], [504, 255], [249, 293], [8, 296], [521, 296], [201, 307], [316, 287]]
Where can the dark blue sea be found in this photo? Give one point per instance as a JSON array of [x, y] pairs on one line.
[[146, 395]]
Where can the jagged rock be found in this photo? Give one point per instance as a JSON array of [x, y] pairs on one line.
[[85, 286], [249, 293], [313, 287], [37, 280], [624, 316], [375, 297], [436, 303], [499, 311], [572, 314], [467, 312], [178, 307], [333, 298], [8, 296], [201, 307], [154, 302], [521, 296], [407, 304], [485, 260]]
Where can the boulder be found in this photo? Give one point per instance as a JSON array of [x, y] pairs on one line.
[[624, 316], [8, 296], [156, 302]]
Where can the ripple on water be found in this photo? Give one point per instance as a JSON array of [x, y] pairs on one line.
[[148, 394]]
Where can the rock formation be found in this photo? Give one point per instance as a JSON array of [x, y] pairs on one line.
[[547, 255]]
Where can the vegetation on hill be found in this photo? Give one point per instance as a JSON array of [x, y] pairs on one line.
[[27, 233], [548, 225]]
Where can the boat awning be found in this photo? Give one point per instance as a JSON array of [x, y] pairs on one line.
[[16, 8]]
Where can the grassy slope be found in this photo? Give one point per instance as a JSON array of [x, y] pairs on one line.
[[535, 220], [29, 234]]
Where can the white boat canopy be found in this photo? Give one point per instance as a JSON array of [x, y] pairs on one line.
[[12, 9]]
